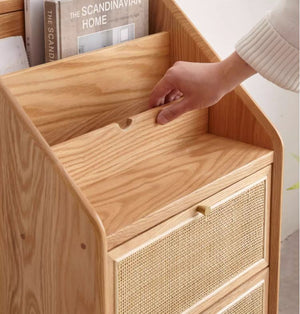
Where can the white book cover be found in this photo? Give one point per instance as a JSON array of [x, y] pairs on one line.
[[34, 31], [13, 55], [79, 26]]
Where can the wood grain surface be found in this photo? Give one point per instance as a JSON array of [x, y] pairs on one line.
[[209, 187], [154, 234], [150, 166], [236, 116], [12, 24], [11, 5], [275, 230], [131, 192], [52, 244], [75, 95], [110, 150], [186, 43]]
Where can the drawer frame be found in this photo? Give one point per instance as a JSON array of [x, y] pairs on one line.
[[175, 222], [241, 291]]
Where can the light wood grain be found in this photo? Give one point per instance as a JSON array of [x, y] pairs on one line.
[[191, 212], [186, 43], [75, 95], [263, 276], [235, 116], [155, 217], [51, 242], [11, 5], [111, 287], [149, 167], [49, 94], [110, 150], [241, 120], [12, 24], [156, 233], [272, 140], [275, 232]]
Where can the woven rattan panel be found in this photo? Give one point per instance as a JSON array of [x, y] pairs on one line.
[[252, 303], [183, 266]]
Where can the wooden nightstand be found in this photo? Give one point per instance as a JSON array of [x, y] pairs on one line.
[[104, 211]]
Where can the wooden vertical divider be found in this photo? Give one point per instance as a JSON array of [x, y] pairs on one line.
[[73, 96]]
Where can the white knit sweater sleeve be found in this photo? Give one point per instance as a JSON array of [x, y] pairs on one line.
[[272, 46]]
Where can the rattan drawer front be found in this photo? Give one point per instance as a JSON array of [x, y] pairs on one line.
[[249, 298], [251, 303], [173, 271]]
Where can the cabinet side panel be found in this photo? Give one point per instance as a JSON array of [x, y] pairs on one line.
[[236, 116], [186, 43], [52, 250]]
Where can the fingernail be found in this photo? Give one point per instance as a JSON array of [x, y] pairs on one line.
[[161, 119], [158, 103]]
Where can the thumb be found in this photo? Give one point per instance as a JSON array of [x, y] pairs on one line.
[[173, 111]]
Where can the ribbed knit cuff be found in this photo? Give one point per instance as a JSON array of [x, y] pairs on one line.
[[270, 55]]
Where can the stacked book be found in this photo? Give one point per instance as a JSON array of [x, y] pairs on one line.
[[56, 29]]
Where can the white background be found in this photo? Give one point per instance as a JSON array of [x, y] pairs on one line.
[[223, 23]]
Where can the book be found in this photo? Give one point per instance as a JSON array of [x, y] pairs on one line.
[[34, 31], [78, 26], [13, 55]]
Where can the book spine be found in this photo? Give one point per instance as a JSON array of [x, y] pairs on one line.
[[51, 31], [27, 29]]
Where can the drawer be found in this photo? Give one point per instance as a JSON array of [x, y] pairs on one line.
[[191, 260], [250, 298]]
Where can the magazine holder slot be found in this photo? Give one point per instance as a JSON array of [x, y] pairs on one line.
[[73, 96]]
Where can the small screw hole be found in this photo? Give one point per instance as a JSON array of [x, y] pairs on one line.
[[83, 246], [23, 236]]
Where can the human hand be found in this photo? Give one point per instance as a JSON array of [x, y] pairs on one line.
[[201, 85]]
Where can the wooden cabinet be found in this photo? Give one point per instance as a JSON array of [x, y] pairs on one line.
[[105, 211]]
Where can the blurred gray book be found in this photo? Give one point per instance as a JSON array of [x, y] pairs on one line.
[[78, 26], [13, 55], [34, 31]]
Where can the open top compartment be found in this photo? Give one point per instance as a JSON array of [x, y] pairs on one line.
[[154, 171], [93, 110], [78, 94]]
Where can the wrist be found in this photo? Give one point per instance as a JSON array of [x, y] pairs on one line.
[[234, 70]]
